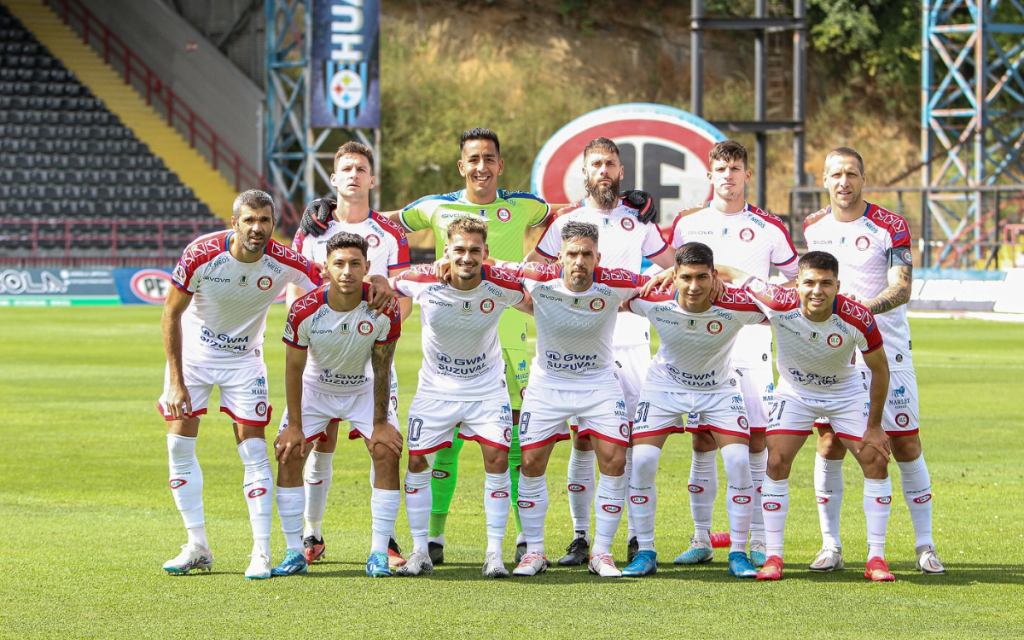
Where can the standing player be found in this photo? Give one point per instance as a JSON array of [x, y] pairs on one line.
[[461, 381], [691, 373], [744, 237], [339, 368], [213, 322], [625, 242], [574, 374], [388, 255], [817, 331], [873, 245]]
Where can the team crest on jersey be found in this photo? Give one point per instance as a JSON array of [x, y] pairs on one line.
[[863, 243], [467, 306], [714, 327], [746, 235], [507, 435], [346, 328], [264, 283], [365, 328], [289, 333], [814, 336], [575, 303], [902, 419], [372, 240], [628, 224], [624, 430], [261, 409], [503, 214], [243, 281], [742, 422], [835, 340], [487, 305], [596, 304], [691, 325]]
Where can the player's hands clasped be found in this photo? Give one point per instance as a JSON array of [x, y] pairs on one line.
[[289, 442], [386, 435], [316, 216]]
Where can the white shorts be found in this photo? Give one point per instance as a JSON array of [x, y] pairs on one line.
[[243, 392], [758, 389], [660, 412], [633, 362], [901, 416], [432, 423], [392, 406], [796, 416], [321, 409], [601, 413]]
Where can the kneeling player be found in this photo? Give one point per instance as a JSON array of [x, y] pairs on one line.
[[338, 368], [691, 373], [817, 330], [462, 380]]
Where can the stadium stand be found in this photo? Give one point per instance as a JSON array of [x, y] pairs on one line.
[[76, 185]]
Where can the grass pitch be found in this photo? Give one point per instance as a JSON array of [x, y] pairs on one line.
[[87, 520]]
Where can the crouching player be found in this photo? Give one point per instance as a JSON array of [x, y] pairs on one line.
[[817, 331], [691, 373], [338, 367], [462, 380]]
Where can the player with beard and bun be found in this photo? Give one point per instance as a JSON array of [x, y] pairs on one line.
[[624, 243], [213, 322], [574, 374], [818, 332], [388, 255], [339, 368], [873, 247]]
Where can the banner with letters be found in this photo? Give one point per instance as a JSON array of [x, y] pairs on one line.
[[57, 287], [344, 71]]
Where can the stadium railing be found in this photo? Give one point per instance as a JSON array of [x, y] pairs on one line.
[[177, 111]]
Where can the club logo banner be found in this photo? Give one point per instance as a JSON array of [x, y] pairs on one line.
[[344, 73]]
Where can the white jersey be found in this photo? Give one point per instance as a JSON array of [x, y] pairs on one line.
[[387, 246], [574, 330], [223, 327], [623, 242], [815, 359], [752, 241], [695, 347], [863, 248], [339, 343], [461, 353]]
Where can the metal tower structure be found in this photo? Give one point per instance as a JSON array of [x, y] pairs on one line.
[[972, 120], [299, 157]]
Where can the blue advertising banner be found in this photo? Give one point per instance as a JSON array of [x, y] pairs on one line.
[[57, 287], [143, 286], [344, 73]]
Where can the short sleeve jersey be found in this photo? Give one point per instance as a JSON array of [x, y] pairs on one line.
[[624, 242], [224, 324], [387, 246], [461, 352], [695, 347], [862, 248], [507, 218], [339, 343], [752, 241], [815, 359], [574, 330]]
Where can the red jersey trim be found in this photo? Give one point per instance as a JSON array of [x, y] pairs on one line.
[[502, 277], [539, 271], [736, 300], [202, 250], [619, 278], [398, 233], [290, 258], [894, 224], [861, 318], [304, 307]]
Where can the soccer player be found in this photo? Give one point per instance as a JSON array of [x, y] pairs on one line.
[[213, 322], [461, 381], [873, 247], [387, 255], [625, 242], [818, 332], [744, 237], [338, 368], [691, 373], [574, 374]]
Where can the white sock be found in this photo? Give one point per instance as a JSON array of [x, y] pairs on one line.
[[758, 468], [384, 505], [630, 525], [533, 508], [418, 500], [917, 491], [186, 481], [703, 489], [291, 502], [608, 502], [497, 502], [258, 489], [581, 483], [775, 505], [643, 494], [877, 505], [317, 477], [739, 494], [828, 492]]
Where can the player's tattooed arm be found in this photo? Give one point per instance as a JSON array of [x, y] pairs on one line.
[[897, 293], [381, 359]]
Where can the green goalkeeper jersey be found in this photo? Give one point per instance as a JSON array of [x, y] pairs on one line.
[[507, 218]]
